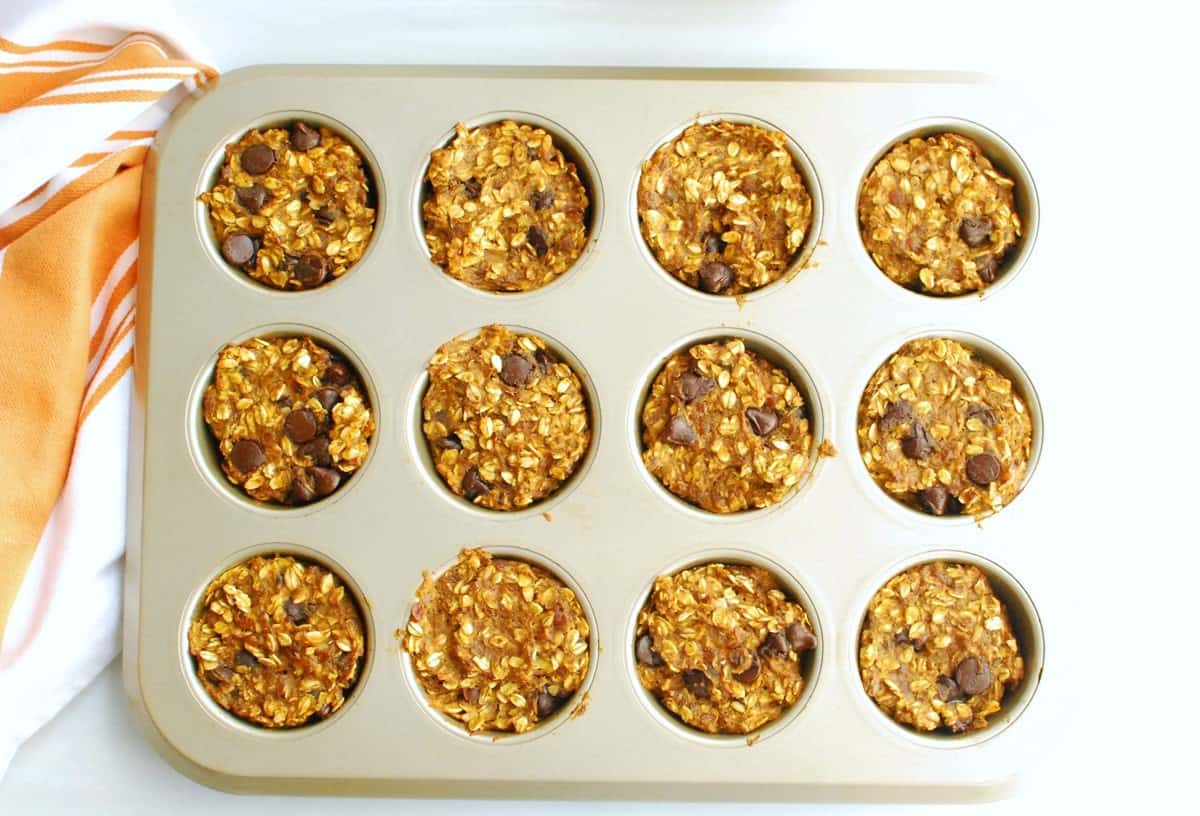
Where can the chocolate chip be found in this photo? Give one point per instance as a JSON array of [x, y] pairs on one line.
[[473, 485], [981, 412], [296, 613], [515, 370], [713, 244], [328, 397], [547, 703], [219, 675], [246, 455], [773, 645], [903, 638], [939, 501], [715, 277], [258, 159], [470, 695], [300, 425], [762, 420], [309, 270], [947, 689], [337, 374], [697, 683], [986, 267], [918, 444], [449, 442], [975, 232], [536, 239], [983, 469], [302, 492], [238, 248], [973, 675], [325, 479], [898, 413], [244, 658], [545, 360], [472, 188], [327, 214], [680, 431], [252, 197], [643, 649], [750, 674], [693, 386], [800, 637], [317, 450], [541, 200], [303, 137]]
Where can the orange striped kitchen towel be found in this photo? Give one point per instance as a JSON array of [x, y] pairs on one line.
[[68, 272]]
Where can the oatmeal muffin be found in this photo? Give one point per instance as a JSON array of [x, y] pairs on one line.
[[290, 418], [507, 422], [936, 649], [937, 217], [507, 211], [497, 644], [277, 642], [292, 207], [724, 429], [944, 432], [723, 207], [721, 647]]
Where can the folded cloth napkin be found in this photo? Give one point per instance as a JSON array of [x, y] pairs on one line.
[[68, 274]]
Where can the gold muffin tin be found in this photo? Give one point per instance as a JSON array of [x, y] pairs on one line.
[[615, 316]]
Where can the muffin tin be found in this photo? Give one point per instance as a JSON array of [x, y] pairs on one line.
[[616, 316]]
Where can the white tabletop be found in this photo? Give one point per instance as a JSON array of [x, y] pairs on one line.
[[1105, 726]]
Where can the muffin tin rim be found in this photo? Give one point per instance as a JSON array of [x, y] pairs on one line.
[[1015, 702]]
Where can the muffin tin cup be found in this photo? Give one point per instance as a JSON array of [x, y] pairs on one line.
[[203, 445], [1004, 157], [812, 182], [284, 119], [573, 150], [990, 353], [775, 353], [612, 528], [578, 701], [1027, 627], [810, 662], [230, 720]]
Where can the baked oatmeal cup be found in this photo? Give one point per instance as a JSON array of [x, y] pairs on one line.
[[292, 207]]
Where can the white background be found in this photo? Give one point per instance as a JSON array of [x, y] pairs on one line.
[[1116, 88]]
